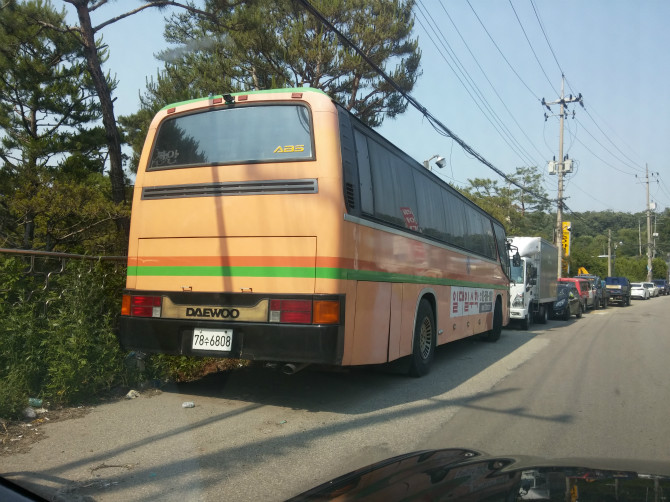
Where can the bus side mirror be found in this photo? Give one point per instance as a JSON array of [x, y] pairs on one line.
[[516, 259]]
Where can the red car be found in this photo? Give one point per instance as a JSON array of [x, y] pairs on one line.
[[584, 288]]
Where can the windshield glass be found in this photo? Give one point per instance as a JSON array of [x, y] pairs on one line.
[[563, 292], [246, 134], [517, 273]]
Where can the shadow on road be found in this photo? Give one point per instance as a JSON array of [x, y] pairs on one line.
[[356, 390], [359, 399]]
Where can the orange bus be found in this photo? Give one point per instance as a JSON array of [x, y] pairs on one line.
[[275, 226]]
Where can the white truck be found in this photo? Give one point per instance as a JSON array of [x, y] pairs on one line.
[[533, 279]]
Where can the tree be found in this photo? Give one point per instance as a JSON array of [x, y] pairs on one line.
[[85, 34], [47, 110], [521, 210], [270, 44]]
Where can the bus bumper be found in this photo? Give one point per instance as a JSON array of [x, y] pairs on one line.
[[317, 344]]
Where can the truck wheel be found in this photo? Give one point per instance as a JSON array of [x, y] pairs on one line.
[[542, 315], [494, 334], [424, 341], [527, 321]]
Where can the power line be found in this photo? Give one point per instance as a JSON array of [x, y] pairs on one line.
[[493, 87], [636, 167], [537, 16], [500, 127], [501, 53], [619, 138], [539, 21], [591, 197], [531, 46], [411, 100], [603, 146]]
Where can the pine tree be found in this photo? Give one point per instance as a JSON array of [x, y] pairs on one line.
[[276, 43], [49, 144]]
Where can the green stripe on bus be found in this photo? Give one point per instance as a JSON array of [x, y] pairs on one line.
[[374, 276], [302, 273]]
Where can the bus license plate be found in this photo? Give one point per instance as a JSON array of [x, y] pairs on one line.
[[212, 339]]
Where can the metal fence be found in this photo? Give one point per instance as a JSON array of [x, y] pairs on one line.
[[44, 274]]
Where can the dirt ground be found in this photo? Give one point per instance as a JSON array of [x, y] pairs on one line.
[[18, 436]]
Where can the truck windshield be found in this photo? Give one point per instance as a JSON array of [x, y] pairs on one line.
[[517, 273]]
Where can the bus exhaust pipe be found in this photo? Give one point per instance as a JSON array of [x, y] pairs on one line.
[[293, 368]]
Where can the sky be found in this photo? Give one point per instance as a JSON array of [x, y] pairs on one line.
[[486, 66]]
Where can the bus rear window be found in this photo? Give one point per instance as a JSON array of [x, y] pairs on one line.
[[247, 134]]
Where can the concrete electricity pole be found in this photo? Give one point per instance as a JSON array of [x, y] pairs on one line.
[[649, 208], [562, 166], [649, 274], [609, 253]]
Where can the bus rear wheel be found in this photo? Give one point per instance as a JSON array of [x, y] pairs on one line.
[[494, 334], [424, 341]]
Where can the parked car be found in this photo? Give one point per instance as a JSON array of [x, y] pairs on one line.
[[584, 288], [663, 286], [637, 290], [568, 303], [597, 288], [653, 289]]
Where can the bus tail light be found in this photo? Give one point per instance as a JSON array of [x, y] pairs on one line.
[[326, 312], [141, 306], [291, 311]]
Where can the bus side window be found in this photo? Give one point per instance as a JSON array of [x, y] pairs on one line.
[[383, 184], [364, 175], [428, 199], [454, 210]]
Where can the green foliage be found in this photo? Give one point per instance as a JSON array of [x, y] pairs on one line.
[[522, 212], [186, 368], [52, 190], [58, 341]]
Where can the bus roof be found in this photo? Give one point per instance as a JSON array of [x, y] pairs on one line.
[[243, 93]]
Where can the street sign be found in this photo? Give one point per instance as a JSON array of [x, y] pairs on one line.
[[565, 241]]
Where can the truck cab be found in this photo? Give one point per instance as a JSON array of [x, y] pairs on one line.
[[522, 291], [532, 279]]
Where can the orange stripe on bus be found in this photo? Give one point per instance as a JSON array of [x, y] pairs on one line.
[[223, 261]]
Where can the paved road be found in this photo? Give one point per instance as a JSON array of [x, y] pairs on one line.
[[597, 386]]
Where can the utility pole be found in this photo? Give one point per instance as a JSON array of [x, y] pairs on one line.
[[609, 253], [649, 274], [654, 235], [562, 166], [649, 243]]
